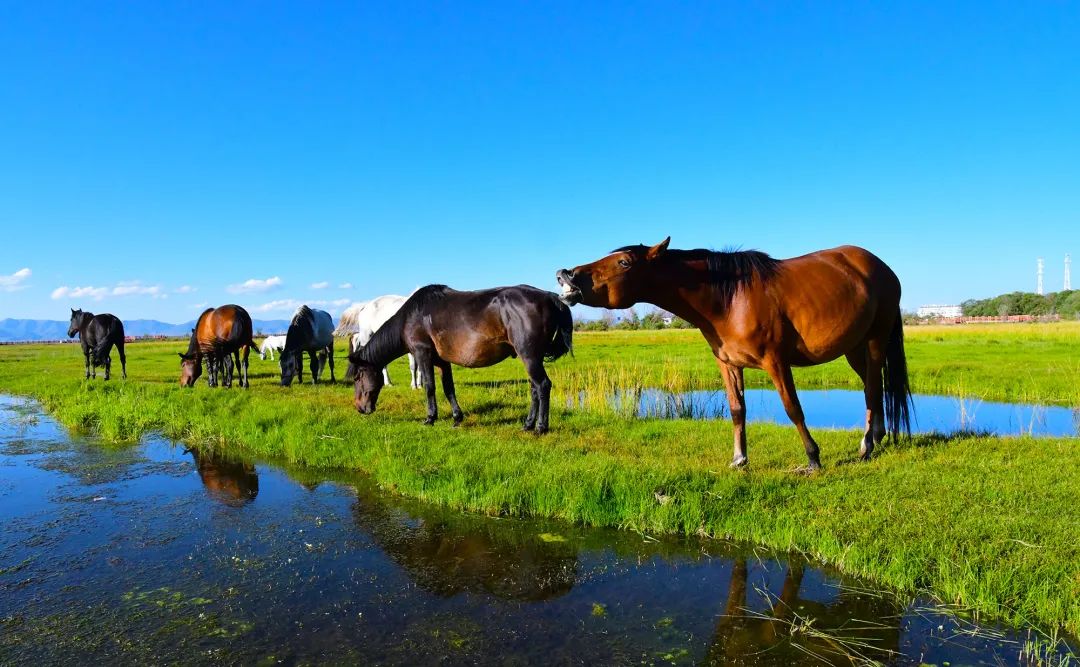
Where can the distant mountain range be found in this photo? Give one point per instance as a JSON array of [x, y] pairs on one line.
[[27, 330]]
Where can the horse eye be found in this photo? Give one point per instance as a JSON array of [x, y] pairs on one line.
[[624, 263]]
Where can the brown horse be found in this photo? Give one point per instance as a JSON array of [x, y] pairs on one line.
[[760, 312], [220, 332]]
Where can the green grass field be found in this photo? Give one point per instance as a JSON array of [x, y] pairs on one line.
[[990, 524]]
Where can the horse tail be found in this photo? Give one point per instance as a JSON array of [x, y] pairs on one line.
[[563, 339], [898, 407], [348, 323]]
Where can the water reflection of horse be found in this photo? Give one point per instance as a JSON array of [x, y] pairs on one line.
[[448, 554], [760, 312], [769, 630], [232, 482]]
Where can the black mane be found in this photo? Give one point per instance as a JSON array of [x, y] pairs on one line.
[[728, 270], [301, 329], [387, 344]]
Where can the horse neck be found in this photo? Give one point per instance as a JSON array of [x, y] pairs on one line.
[[382, 349], [685, 290], [84, 322], [193, 346]]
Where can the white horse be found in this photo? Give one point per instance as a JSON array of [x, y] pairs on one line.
[[270, 345], [363, 319]]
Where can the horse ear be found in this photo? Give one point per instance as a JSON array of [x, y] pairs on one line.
[[181, 355], [658, 249]]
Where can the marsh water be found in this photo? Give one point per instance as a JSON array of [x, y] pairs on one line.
[[845, 409], [152, 553]]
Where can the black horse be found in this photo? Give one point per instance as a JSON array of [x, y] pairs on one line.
[[97, 335], [310, 331], [441, 326]]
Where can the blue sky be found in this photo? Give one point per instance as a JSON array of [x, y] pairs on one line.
[[157, 157]]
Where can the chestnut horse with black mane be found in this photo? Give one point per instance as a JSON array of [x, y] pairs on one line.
[[760, 312], [442, 326], [220, 332]]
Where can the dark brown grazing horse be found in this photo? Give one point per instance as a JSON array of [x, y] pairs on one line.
[[97, 335], [220, 332], [441, 326], [760, 312]]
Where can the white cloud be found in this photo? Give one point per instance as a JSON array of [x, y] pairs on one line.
[[136, 288], [185, 289], [14, 282], [345, 286], [125, 288], [322, 284], [290, 305], [255, 285], [95, 293]]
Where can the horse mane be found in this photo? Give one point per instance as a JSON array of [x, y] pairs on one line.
[[727, 270], [193, 344], [387, 343], [300, 325]]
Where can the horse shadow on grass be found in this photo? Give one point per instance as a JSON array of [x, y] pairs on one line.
[[923, 441]]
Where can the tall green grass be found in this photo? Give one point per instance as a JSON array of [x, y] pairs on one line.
[[987, 523]]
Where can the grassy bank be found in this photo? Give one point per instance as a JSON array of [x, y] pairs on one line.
[[988, 523]]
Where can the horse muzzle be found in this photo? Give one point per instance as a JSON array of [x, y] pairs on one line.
[[570, 293]]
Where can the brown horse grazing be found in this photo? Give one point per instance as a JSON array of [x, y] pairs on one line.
[[220, 332], [760, 312], [441, 326]]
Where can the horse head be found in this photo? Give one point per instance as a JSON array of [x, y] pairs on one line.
[[77, 317], [618, 280], [190, 368], [367, 382]]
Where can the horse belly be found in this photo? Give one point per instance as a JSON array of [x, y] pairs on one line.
[[473, 354]]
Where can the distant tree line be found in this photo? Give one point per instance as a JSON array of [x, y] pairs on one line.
[[1064, 303], [629, 320]]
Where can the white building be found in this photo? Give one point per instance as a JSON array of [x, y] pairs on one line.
[[937, 310]]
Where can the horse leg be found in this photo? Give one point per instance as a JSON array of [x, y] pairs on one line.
[[108, 366], [123, 360], [534, 407], [534, 366], [733, 385], [244, 368], [330, 360], [313, 359], [86, 355], [448, 390], [414, 373], [425, 359], [236, 366], [780, 373], [870, 374]]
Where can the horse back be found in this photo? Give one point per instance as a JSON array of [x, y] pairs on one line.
[[815, 307], [227, 328]]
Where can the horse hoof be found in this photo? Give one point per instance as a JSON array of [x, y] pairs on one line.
[[541, 430], [429, 421], [739, 462]]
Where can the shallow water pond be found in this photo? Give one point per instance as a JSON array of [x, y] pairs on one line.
[[845, 409], [156, 554]]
